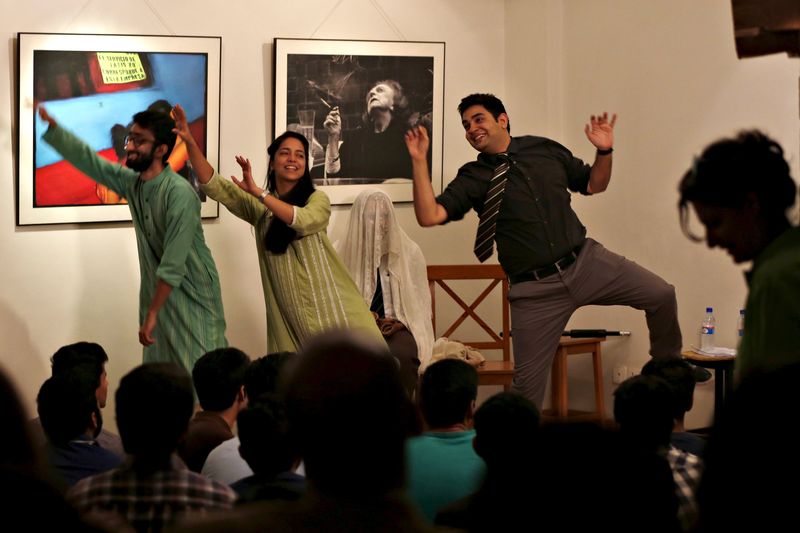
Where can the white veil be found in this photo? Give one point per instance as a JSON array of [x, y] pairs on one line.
[[375, 240]]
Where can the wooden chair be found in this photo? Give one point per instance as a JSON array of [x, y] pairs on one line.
[[490, 372]]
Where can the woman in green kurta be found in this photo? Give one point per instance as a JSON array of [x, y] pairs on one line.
[[307, 288]]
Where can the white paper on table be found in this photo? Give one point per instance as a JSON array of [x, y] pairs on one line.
[[716, 351]]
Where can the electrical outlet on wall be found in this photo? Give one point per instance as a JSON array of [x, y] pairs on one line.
[[620, 374]]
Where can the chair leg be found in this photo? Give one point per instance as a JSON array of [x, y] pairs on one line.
[[559, 384], [599, 396]]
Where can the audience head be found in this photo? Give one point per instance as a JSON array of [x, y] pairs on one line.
[[68, 406], [678, 375], [17, 450], [740, 188], [490, 102], [218, 378], [644, 408], [347, 407], [262, 375], [82, 354], [154, 404], [596, 467], [751, 460], [448, 390], [264, 437], [506, 429]]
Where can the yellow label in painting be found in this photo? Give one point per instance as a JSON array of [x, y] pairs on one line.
[[121, 67]]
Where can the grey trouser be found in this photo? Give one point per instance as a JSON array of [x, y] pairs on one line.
[[541, 309]]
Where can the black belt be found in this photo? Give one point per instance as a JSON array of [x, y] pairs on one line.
[[540, 273]]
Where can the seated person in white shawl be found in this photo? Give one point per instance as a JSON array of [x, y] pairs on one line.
[[390, 272]]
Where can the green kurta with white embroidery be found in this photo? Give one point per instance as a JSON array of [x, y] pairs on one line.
[[308, 289], [169, 236]]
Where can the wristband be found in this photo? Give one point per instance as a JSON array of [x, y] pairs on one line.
[[263, 195], [607, 151]]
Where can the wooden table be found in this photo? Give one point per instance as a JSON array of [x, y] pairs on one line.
[[722, 365]]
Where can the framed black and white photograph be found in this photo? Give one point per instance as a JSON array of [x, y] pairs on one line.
[[354, 101], [93, 85]]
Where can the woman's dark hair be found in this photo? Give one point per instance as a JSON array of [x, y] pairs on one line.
[[279, 234], [731, 169]]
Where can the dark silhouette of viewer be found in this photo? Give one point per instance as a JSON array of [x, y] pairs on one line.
[[30, 502], [679, 376], [644, 409], [266, 446], [741, 190], [349, 417], [442, 463], [218, 378], [92, 357], [153, 489], [752, 464], [71, 420], [506, 436]]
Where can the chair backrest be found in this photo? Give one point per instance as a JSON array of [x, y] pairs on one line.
[[442, 274]]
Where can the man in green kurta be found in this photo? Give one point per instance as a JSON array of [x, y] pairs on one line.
[[180, 305]]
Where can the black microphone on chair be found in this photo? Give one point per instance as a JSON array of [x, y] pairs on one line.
[[586, 333]]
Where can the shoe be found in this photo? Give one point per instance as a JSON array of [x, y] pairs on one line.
[[701, 375]]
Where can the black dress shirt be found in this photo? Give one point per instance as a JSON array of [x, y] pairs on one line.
[[536, 225]]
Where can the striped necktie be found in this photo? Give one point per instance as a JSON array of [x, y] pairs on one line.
[[484, 240]]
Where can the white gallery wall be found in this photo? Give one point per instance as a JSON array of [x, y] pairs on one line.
[[668, 67]]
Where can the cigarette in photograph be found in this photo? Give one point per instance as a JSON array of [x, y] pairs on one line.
[[326, 103]]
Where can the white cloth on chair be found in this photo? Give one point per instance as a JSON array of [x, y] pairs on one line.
[[445, 348], [375, 242]]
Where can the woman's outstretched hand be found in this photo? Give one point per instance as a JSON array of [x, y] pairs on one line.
[[247, 184]]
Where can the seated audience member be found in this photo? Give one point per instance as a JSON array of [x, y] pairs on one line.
[[751, 461], [442, 463], [268, 450], [349, 417], [678, 375], [71, 419], [506, 434], [218, 378], [63, 362], [643, 408], [30, 502], [390, 272], [741, 190], [224, 463], [154, 404]]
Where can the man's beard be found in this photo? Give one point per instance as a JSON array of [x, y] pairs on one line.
[[141, 163]]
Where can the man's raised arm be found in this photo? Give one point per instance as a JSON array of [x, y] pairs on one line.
[[600, 132], [428, 211]]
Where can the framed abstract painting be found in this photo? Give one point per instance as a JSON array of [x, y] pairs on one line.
[[93, 85]]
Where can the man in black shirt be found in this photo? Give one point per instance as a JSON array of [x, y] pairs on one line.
[[521, 187]]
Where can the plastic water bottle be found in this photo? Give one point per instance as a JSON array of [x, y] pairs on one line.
[[740, 323], [707, 330]]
